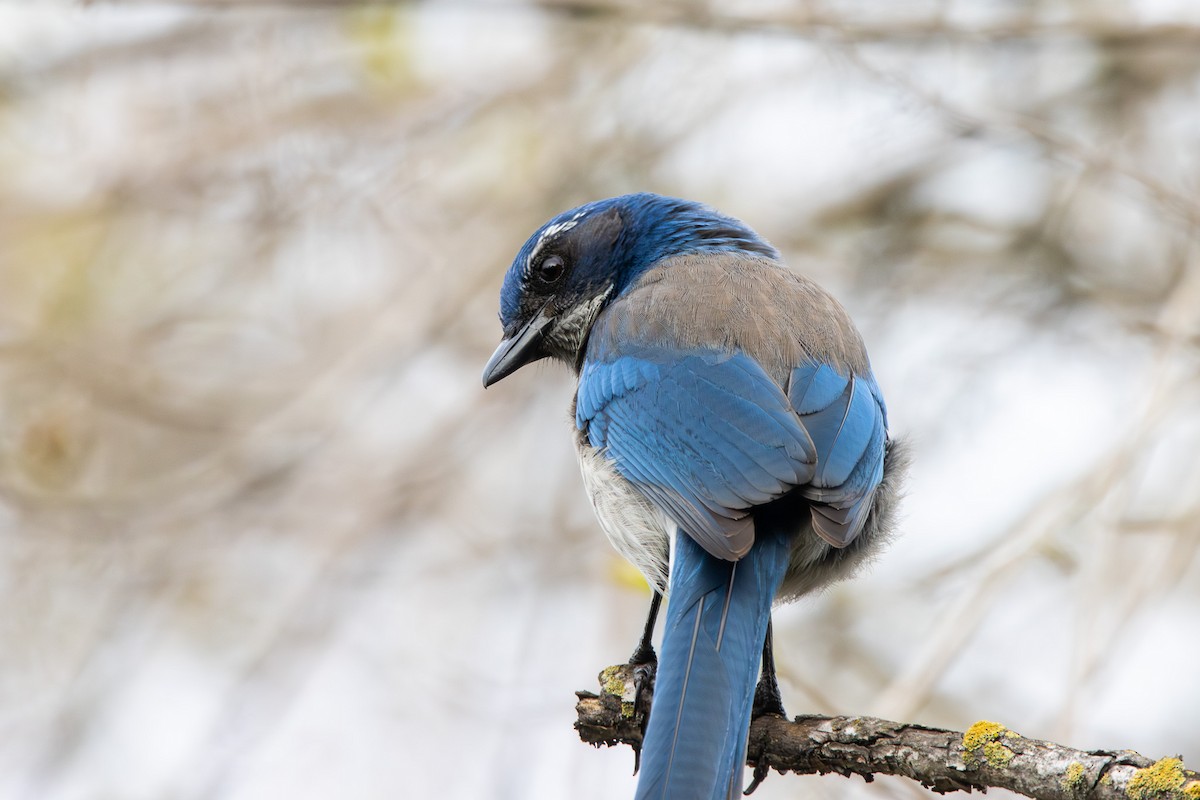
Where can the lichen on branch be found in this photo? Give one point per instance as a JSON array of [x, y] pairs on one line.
[[988, 754]]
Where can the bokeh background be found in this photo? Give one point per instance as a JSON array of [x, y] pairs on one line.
[[263, 535]]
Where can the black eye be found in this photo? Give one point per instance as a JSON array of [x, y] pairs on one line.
[[550, 269]]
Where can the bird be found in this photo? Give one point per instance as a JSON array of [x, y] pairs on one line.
[[732, 439]]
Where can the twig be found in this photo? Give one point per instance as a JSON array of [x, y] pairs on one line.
[[808, 23], [986, 755]]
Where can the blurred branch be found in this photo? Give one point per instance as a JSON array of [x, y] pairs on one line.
[[1057, 143], [812, 22], [986, 755], [92, 58], [808, 22], [1106, 33]]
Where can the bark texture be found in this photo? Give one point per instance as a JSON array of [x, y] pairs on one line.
[[985, 755]]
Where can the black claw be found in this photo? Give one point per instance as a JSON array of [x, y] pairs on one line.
[[643, 688], [760, 774]]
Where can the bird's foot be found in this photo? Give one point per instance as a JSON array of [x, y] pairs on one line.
[[645, 666], [767, 702], [767, 699]]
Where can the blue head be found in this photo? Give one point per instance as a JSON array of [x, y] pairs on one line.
[[569, 269]]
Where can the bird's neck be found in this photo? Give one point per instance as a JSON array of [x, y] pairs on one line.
[[567, 342]]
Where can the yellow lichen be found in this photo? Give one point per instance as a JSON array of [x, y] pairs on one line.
[[997, 754], [1192, 790], [1073, 778], [981, 733], [612, 681], [1164, 778], [982, 739]]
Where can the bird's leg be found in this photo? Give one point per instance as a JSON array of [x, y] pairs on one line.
[[767, 700], [644, 654], [645, 663]]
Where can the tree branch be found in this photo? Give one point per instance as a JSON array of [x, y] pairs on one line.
[[986, 755], [808, 23]]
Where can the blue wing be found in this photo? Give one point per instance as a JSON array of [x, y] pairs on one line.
[[847, 420], [709, 435], [706, 435]]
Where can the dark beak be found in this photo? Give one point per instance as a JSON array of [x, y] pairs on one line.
[[523, 347]]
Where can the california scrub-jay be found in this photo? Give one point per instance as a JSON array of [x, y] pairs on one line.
[[726, 403]]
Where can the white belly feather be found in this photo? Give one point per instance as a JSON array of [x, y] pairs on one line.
[[637, 528]]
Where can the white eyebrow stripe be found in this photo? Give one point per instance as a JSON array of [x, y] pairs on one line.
[[552, 230]]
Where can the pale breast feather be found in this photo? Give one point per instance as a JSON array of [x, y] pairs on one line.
[[637, 528]]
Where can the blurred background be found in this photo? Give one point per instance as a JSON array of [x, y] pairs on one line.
[[263, 535]]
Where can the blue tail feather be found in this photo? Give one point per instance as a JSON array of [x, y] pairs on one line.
[[717, 613]]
